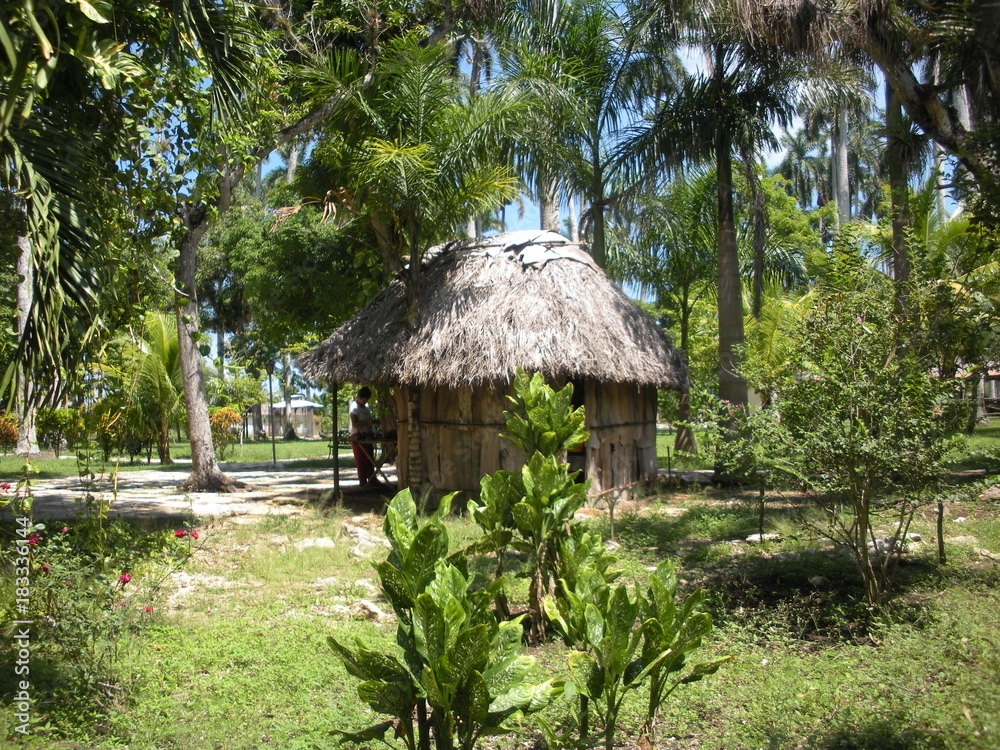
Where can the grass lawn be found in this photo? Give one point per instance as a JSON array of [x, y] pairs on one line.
[[233, 653], [226, 648], [317, 451]]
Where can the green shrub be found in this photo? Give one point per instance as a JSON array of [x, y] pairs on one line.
[[8, 433], [458, 661], [626, 640], [858, 419], [57, 425], [225, 424]]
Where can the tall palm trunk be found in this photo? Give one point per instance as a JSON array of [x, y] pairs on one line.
[[732, 386], [548, 200], [573, 218], [842, 185], [27, 439], [597, 240], [899, 192]]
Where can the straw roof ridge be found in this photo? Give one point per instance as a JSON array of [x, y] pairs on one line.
[[488, 306]]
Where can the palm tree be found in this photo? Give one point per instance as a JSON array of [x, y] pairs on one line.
[[156, 395], [727, 110], [422, 156], [669, 250], [596, 84], [805, 166]]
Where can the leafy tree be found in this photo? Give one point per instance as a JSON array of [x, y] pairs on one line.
[[862, 425], [420, 156]]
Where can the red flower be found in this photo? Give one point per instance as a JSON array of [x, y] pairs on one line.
[[4, 486], [124, 578], [149, 609], [180, 533], [194, 534], [44, 568], [33, 541]]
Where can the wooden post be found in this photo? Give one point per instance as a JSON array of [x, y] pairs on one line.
[[336, 441], [414, 459]]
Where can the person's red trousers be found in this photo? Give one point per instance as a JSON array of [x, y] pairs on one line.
[[366, 469]]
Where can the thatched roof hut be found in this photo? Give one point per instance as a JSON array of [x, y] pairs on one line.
[[484, 308]]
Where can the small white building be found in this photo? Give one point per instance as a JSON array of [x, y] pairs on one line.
[[299, 413]]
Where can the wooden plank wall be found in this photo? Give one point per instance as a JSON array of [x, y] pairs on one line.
[[622, 423], [459, 441], [459, 436]]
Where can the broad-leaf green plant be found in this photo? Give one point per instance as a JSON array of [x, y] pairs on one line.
[[538, 503], [671, 632], [543, 419], [625, 640], [458, 676]]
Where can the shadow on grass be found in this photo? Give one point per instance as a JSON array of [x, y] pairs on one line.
[[700, 523], [801, 589], [874, 734]]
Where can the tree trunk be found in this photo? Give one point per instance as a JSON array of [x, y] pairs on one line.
[[293, 161], [548, 201], [597, 238], [27, 438], [574, 219], [899, 191], [732, 386], [163, 443], [684, 440], [220, 346], [842, 186], [759, 234], [205, 473], [286, 391]]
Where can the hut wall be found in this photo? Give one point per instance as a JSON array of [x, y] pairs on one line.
[[621, 420], [457, 438]]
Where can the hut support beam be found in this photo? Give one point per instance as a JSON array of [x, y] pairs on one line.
[[415, 463]]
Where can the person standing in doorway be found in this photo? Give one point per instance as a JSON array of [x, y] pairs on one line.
[[362, 431]]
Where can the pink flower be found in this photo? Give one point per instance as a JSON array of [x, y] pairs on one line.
[[124, 578], [65, 529], [194, 534], [122, 604], [149, 609], [5, 486], [180, 533], [33, 541]]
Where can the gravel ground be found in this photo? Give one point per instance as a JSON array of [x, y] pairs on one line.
[[153, 494]]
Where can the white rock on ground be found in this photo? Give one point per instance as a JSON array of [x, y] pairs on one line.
[[369, 610], [755, 538], [323, 542]]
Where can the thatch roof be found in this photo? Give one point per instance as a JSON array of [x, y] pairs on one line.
[[486, 307]]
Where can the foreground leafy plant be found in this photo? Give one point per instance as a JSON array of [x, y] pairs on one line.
[[618, 656], [456, 659], [539, 502]]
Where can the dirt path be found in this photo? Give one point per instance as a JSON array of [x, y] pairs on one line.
[[153, 494]]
